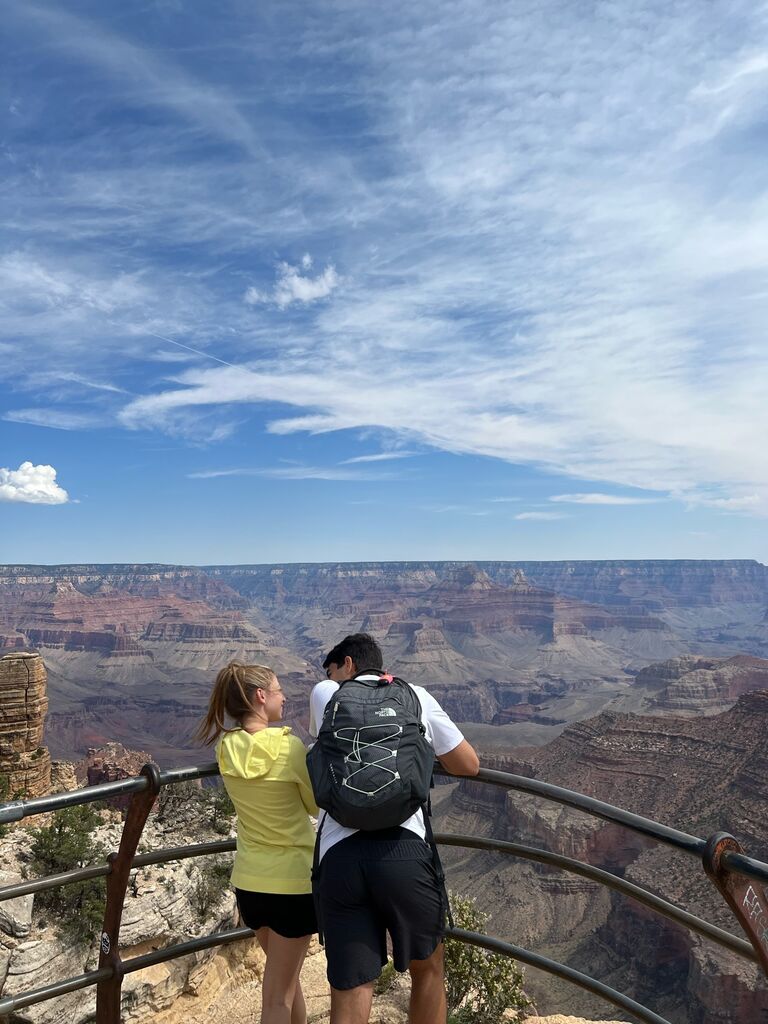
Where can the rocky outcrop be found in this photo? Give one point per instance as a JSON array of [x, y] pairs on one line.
[[163, 906], [111, 763], [695, 685], [25, 763]]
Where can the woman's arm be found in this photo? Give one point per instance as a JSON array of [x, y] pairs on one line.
[[298, 760]]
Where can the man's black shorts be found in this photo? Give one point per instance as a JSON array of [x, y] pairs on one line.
[[289, 916], [368, 887]]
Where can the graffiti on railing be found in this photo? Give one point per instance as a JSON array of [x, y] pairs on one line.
[[756, 912], [744, 899]]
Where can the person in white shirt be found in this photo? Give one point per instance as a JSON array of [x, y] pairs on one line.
[[375, 883]]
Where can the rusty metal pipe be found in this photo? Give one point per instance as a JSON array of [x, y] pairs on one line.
[[629, 889]]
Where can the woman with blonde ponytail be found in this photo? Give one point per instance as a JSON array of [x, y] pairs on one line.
[[263, 767]]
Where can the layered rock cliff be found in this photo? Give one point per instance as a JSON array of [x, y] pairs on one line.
[[529, 646], [695, 685], [165, 904], [699, 774], [25, 764]]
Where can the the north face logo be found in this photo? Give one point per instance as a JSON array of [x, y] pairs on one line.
[[385, 713]]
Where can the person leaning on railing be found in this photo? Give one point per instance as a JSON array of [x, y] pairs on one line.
[[263, 767]]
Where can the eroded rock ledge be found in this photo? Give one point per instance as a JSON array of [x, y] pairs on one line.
[[25, 763]]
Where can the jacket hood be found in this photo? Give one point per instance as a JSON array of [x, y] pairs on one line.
[[250, 755]]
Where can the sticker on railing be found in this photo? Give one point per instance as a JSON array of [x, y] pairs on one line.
[[106, 945]]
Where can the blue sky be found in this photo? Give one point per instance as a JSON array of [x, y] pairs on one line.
[[304, 282]]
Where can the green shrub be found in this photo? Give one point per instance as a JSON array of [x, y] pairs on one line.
[[386, 979], [222, 810], [5, 790], [65, 844], [212, 883], [480, 985]]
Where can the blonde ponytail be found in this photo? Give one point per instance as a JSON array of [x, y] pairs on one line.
[[232, 698]]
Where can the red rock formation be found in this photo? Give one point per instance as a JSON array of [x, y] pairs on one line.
[[693, 684], [25, 763], [111, 763]]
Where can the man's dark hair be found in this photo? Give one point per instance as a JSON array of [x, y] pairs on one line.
[[361, 648]]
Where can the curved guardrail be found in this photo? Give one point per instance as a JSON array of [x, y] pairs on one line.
[[731, 871]]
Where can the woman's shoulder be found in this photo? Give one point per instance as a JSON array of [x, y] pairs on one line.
[[293, 742]]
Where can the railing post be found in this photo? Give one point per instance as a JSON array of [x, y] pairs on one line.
[[108, 992], [745, 898]]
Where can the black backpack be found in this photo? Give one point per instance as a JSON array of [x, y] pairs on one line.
[[371, 767]]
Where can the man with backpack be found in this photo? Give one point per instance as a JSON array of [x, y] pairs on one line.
[[376, 867]]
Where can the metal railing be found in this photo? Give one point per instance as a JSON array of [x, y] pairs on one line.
[[730, 870]]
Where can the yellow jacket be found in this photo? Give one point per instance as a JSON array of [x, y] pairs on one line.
[[265, 774]]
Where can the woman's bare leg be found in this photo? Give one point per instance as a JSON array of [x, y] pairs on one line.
[[299, 1008], [280, 988]]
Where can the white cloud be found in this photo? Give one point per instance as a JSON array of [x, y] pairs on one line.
[[293, 286], [293, 473], [53, 418], [35, 485], [543, 517], [379, 457], [545, 269], [76, 378], [602, 499], [741, 503], [156, 81]]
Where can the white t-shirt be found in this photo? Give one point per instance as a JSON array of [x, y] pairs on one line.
[[441, 733]]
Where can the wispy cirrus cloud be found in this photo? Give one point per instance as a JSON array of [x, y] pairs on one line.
[[32, 485], [543, 271], [597, 498], [56, 419], [540, 517], [379, 457], [293, 473], [154, 81]]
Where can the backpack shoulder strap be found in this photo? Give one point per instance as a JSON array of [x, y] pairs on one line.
[[413, 696]]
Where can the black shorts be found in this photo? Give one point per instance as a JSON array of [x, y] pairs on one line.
[[370, 887], [289, 916]]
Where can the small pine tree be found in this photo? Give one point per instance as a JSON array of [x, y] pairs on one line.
[[222, 811], [65, 844], [481, 986]]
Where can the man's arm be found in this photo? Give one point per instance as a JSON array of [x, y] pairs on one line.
[[462, 760], [321, 694]]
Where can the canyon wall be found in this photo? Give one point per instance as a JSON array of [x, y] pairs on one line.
[[132, 650], [698, 774]]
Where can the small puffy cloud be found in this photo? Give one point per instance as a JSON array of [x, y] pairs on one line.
[[602, 499], [294, 286], [542, 517], [35, 485]]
